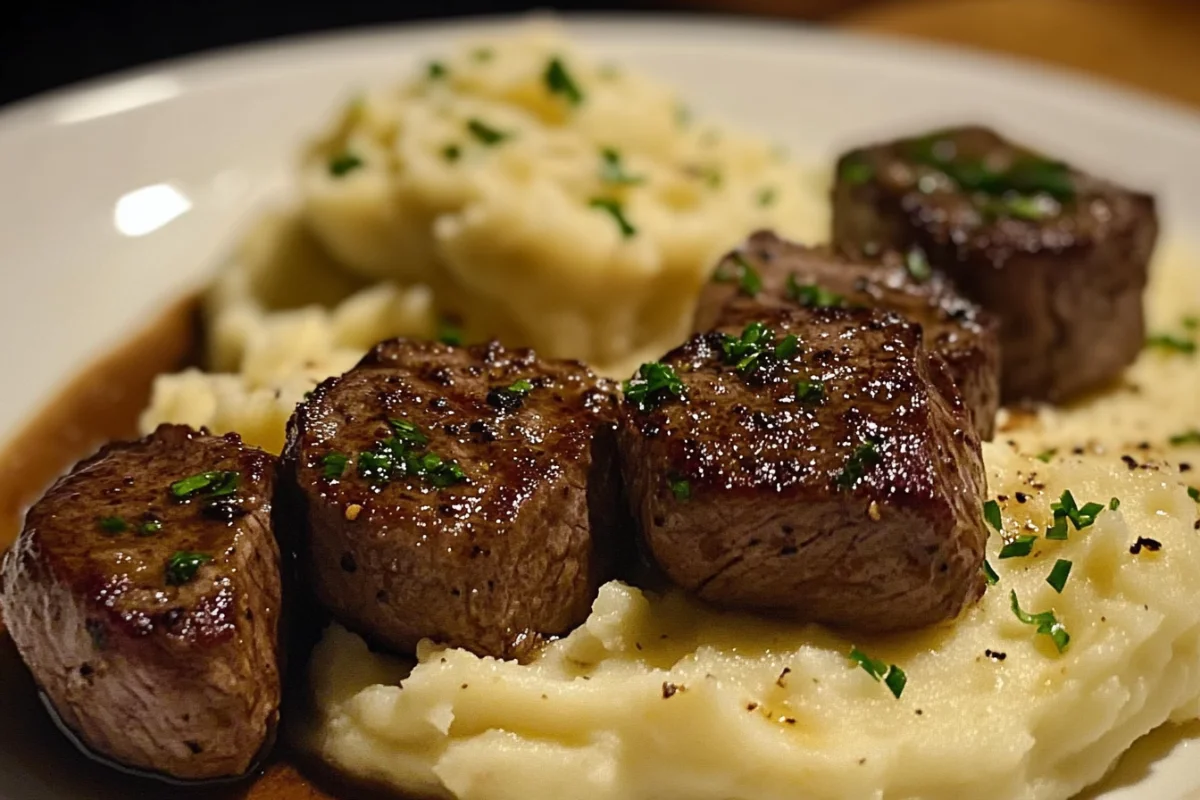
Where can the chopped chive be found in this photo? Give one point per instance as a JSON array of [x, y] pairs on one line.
[[1059, 574], [485, 133], [680, 487], [334, 465], [482, 54], [216, 483], [1194, 493], [892, 676], [855, 170], [1080, 517], [917, 265], [1114, 504], [787, 347], [1047, 624], [654, 383], [1018, 547], [613, 171], [1058, 530], [408, 433], [990, 574], [1187, 437], [810, 391], [1175, 344], [112, 525], [521, 387], [1191, 322], [615, 210], [149, 527], [182, 566], [559, 81], [449, 333], [451, 152], [344, 163], [991, 513], [435, 70], [812, 295], [864, 455], [1046, 455], [766, 196]]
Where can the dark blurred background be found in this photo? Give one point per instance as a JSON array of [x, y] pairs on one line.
[[1151, 44]]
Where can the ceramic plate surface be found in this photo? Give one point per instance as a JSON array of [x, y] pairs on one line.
[[119, 196]]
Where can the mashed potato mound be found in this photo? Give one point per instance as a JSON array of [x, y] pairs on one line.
[[504, 177], [656, 697]]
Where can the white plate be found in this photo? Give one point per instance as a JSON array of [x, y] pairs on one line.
[[85, 255]]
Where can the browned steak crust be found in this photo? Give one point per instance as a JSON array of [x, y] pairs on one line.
[[495, 558], [159, 662], [858, 506], [1059, 256], [784, 274]]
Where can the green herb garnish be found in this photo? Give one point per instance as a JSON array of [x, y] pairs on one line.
[[485, 133], [1114, 504], [218, 483], [149, 527], [449, 333], [810, 391], [451, 152], [654, 383], [408, 433], [1058, 529], [341, 164], [1191, 322], [1021, 206], [1187, 437], [787, 346], [991, 513], [559, 81], [680, 487], [482, 54], [1080, 517], [1018, 547], [376, 465], [1194, 493], [334, 465], [1175, 344], [811, 295], [613, 171], [182, 566], [747, 277], [1059, 574], [855, 170], [614, 210], [891, 675], [1046, 455], [1047, 624], [1028, 175], [990, 574], [766, 197], [863, 456], [521, 387], [112, 525], [917, 265]]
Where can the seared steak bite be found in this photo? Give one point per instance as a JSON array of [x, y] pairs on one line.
[[783, 273], [144, 595], [466, 495], [1059, 256], [817, 464]]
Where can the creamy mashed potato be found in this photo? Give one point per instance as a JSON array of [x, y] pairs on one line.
[[657, 697]]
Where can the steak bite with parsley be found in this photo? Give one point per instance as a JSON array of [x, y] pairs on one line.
[[144, 595], [768, 271], [1059, 256], [817, 464], [465, 495]]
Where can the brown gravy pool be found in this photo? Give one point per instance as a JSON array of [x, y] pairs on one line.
[[104, 403]]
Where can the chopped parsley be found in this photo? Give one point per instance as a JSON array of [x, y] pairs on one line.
[[991, 513], [1019, 547], [748, 280], [1170, 343], [990, 574], [613, 171], [917, 264], [344, 163], [436, 70], [112, 525], [1047, 624], [680, 487], [617, 212], [220, 483], [452, 152], [1047, 455], [810, 391], [766, 196], [855, 170], [1059, 574], [654, 383], [334, 465], [863, 456], [559, 81], [1187, 437], [485, 133], [811, 295], [449, 333], [182, 566], [891, 675]]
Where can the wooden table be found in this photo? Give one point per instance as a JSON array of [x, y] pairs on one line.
[[1152, 45]]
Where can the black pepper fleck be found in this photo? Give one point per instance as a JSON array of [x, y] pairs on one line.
[[1144, 543], [348, 563]]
